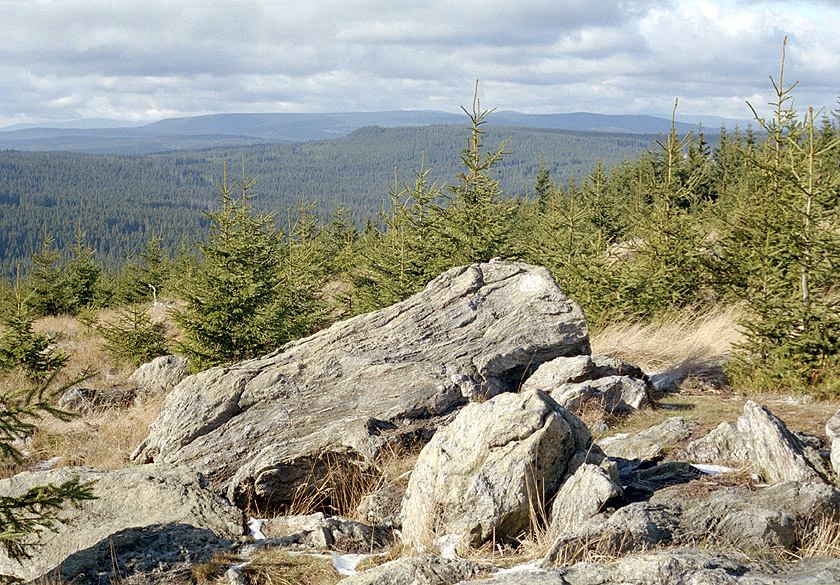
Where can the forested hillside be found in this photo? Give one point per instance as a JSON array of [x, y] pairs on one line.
[[121, 201]]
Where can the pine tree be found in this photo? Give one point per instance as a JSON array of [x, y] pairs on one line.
[[22, 348], [234, 301], [83, 275], [47, 282], [475, 223], [783, 245], [131, 337], [304, 272], [25, 517], [402, 257], [543, 186]]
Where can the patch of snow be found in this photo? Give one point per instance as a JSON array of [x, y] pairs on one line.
[[255, 528], [711, 469], [346, 564]]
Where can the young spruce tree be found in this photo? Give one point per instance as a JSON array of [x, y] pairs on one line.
[[234, 306]]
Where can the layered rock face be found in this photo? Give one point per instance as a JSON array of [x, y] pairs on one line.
[[262, 427]]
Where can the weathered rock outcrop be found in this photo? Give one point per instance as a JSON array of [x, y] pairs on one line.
[[481, 476], [261, 427], [762, 441], [684, 566], [150, 515], [573, 381], [762, 520]]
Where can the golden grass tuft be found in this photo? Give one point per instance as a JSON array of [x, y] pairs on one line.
[[822, 539], [105, 440], [285, 568], [691, 342]]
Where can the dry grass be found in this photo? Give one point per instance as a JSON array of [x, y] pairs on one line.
[[283, 568], [823, 539], [105, 440], [691, 342]]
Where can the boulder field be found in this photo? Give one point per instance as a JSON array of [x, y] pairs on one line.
[[486, 366]]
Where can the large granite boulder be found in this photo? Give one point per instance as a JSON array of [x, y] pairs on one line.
[[142, 517], [761, 440], [261, 427], [485, 474]]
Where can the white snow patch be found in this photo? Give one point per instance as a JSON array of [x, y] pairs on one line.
[[255, 528], [711, 469], [346, 564]]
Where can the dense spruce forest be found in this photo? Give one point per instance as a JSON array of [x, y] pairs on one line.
[[751, 221], [122, 201]]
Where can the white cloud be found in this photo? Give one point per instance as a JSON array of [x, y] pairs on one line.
[[62, 59]]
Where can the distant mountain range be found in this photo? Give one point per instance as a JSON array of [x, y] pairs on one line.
[[210, 131]]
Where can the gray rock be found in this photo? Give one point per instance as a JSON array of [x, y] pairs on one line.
[[612, 393], [684, 566], [582, 496], [610, 366], [650, 444], [153, 514], [319, 532], [579, 368], [776, 453], [160, 375], [832, 431], [480, 477], [736, 517], [261, 427], [649, 480], [422, 570], [722, 446], [763, 442], [571, 381], [382, 507]]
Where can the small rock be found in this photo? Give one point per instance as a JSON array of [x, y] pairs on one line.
[[651, 444], [582, 496]]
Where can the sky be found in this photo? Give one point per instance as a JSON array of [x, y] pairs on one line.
[[143, 61]]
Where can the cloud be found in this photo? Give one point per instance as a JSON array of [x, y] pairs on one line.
[[63, 59]]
